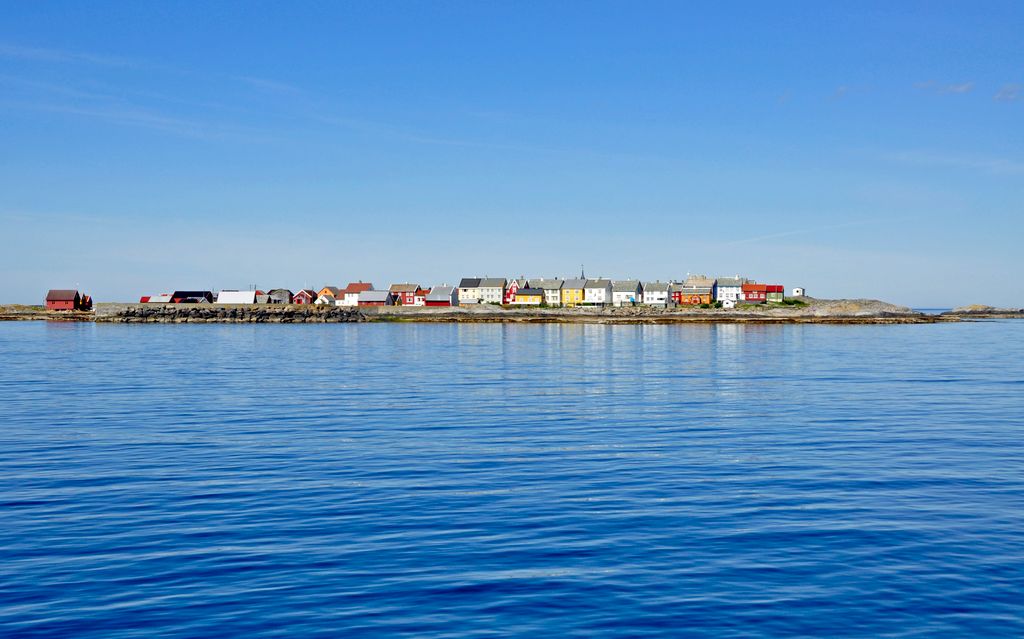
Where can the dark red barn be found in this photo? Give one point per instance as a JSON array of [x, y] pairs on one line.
[[62, 299]]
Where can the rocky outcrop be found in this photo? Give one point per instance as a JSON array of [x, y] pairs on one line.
[[242, 314], [981, 311]]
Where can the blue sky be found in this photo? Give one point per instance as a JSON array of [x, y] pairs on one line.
[[858, 149]]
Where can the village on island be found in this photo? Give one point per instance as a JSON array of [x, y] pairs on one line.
[[695, 291]]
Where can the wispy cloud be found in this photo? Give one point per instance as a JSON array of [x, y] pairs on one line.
[[939, 88], [807, 231], [998, 166], [1009, 93], [264, 84], [60, 55]]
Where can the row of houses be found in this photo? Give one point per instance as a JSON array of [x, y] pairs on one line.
[[696, 290]]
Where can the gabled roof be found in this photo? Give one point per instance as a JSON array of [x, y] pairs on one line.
[[547, 285], [307, 291], [656, 287], [469, 282], [61, 295], [440, 294], [574, 283], [374, 296], [333, 290], [521, 282], [493, 282], [279, 291], [163, 298], [597, 284], [236, 297], [625, 286], [530, 291], [358, 287], [404, 288], [191, 294], [731, 281], [699, 280]]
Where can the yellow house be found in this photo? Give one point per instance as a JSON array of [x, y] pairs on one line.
[[529, 297], [328, 290], [572, 292]]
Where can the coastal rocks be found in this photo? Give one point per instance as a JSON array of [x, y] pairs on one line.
[[981, 311], [248, 314]]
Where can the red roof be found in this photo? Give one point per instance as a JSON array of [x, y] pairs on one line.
[[752, 288], [358, 287], [775, 288]]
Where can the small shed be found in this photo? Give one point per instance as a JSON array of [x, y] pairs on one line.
[[799, 291]]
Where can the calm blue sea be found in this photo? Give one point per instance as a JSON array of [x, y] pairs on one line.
[[387, 480]]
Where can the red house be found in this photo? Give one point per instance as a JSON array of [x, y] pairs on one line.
[[755, 293], [58, 299], [406, 294], [305, 296]]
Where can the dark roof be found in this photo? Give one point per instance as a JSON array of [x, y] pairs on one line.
[[530, 291], [493, 282], [470, 282], [61, 295], [177, 294]]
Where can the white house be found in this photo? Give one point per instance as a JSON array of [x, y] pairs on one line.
[[799, 291], [552, 290], [236, 297], [626, 292], [729, 303], [326, 299], [730, 289], [656, 293], [469, 290], [349, 296], [492, 290], [597, 292]]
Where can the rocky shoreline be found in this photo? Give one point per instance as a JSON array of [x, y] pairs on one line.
[[214, 314], [814, 311]]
